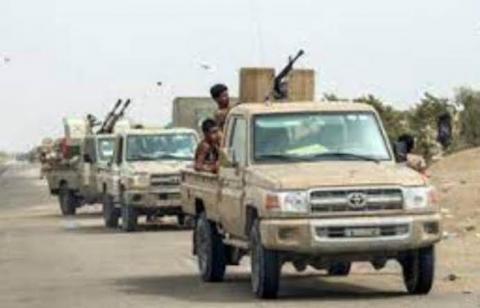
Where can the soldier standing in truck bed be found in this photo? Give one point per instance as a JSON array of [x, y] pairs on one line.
[[219, 93]]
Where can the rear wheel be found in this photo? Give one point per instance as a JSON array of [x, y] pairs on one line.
[[265, 266], [339, 269], [68, 204], [418, 270], [210, 250], [129, 216], [110, 213]]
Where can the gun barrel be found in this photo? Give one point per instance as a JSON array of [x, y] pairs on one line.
[[109, 126], [285, 71], [110, 115], [125, 106]]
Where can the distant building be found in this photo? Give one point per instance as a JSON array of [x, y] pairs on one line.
[[191, 111]]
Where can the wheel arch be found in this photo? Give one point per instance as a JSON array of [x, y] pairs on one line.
[[251, 213], [199, 206]]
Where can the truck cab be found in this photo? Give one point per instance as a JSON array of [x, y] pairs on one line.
[[144, 175], [97, 151], [315, 184]]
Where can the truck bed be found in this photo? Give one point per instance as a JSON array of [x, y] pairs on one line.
[[200, 188], [59, 174]]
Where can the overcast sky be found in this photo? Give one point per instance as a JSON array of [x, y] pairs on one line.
[[74, 57]]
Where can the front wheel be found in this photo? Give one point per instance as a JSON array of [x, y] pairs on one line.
[[418, 270], [67, 201], [265, 266], [339, 269], [110, 213], [129, 216], [210, 250]]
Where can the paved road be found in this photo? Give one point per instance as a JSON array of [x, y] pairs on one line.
[[50, 261]]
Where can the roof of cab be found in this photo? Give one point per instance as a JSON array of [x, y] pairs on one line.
[[158, 131], [289, 107]]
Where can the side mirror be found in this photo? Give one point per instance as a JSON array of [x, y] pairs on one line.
[[228, 158], [403, 146], [87, 158], [400, 151]]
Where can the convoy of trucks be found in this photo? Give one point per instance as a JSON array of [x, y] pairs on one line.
[[309, 183]]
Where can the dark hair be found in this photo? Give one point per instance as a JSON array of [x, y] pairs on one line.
[[217, 90], [207, 125], [408, 140]]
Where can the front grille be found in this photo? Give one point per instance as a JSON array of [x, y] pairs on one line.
[[354, 200], [168, 196], [165, 180], [363, 231]]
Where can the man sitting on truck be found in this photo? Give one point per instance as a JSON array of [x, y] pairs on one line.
[[219, 93], [207, 153]]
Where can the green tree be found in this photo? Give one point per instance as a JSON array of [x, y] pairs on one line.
[[422, 120], [468, 101]]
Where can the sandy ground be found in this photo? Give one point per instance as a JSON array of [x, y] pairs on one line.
[[47, 260]]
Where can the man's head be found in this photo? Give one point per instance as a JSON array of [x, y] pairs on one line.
[[210, 131], [219, 93]]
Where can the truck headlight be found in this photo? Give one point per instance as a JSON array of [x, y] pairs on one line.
[[139, 180], [417, 198], [292, 202]]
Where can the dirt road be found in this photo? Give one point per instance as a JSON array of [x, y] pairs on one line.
[[50, 261]]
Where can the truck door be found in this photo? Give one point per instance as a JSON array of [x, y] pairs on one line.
[[104, 152], [232, 178], [117, 161], [88, 160], [92, 150]]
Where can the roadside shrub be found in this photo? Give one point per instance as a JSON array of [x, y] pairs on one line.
[[468, 101]]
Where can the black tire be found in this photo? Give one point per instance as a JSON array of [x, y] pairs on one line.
[[66, 198], [265, 266], [129, 216], [210, 250], [181, 220], [419, 270], [111, 214], [339, 269]]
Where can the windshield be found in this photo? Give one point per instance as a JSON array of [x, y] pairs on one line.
[[158, 147], [319, 136], [105, 149]]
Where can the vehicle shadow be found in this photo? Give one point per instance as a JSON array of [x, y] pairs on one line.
[[101, 229], [236, 288], [89, 215]]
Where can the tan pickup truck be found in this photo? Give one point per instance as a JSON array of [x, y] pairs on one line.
[[76, 180], [143, 178], [315, 184]]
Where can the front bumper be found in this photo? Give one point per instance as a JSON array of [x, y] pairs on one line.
[[320, 236], [162, 198]]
